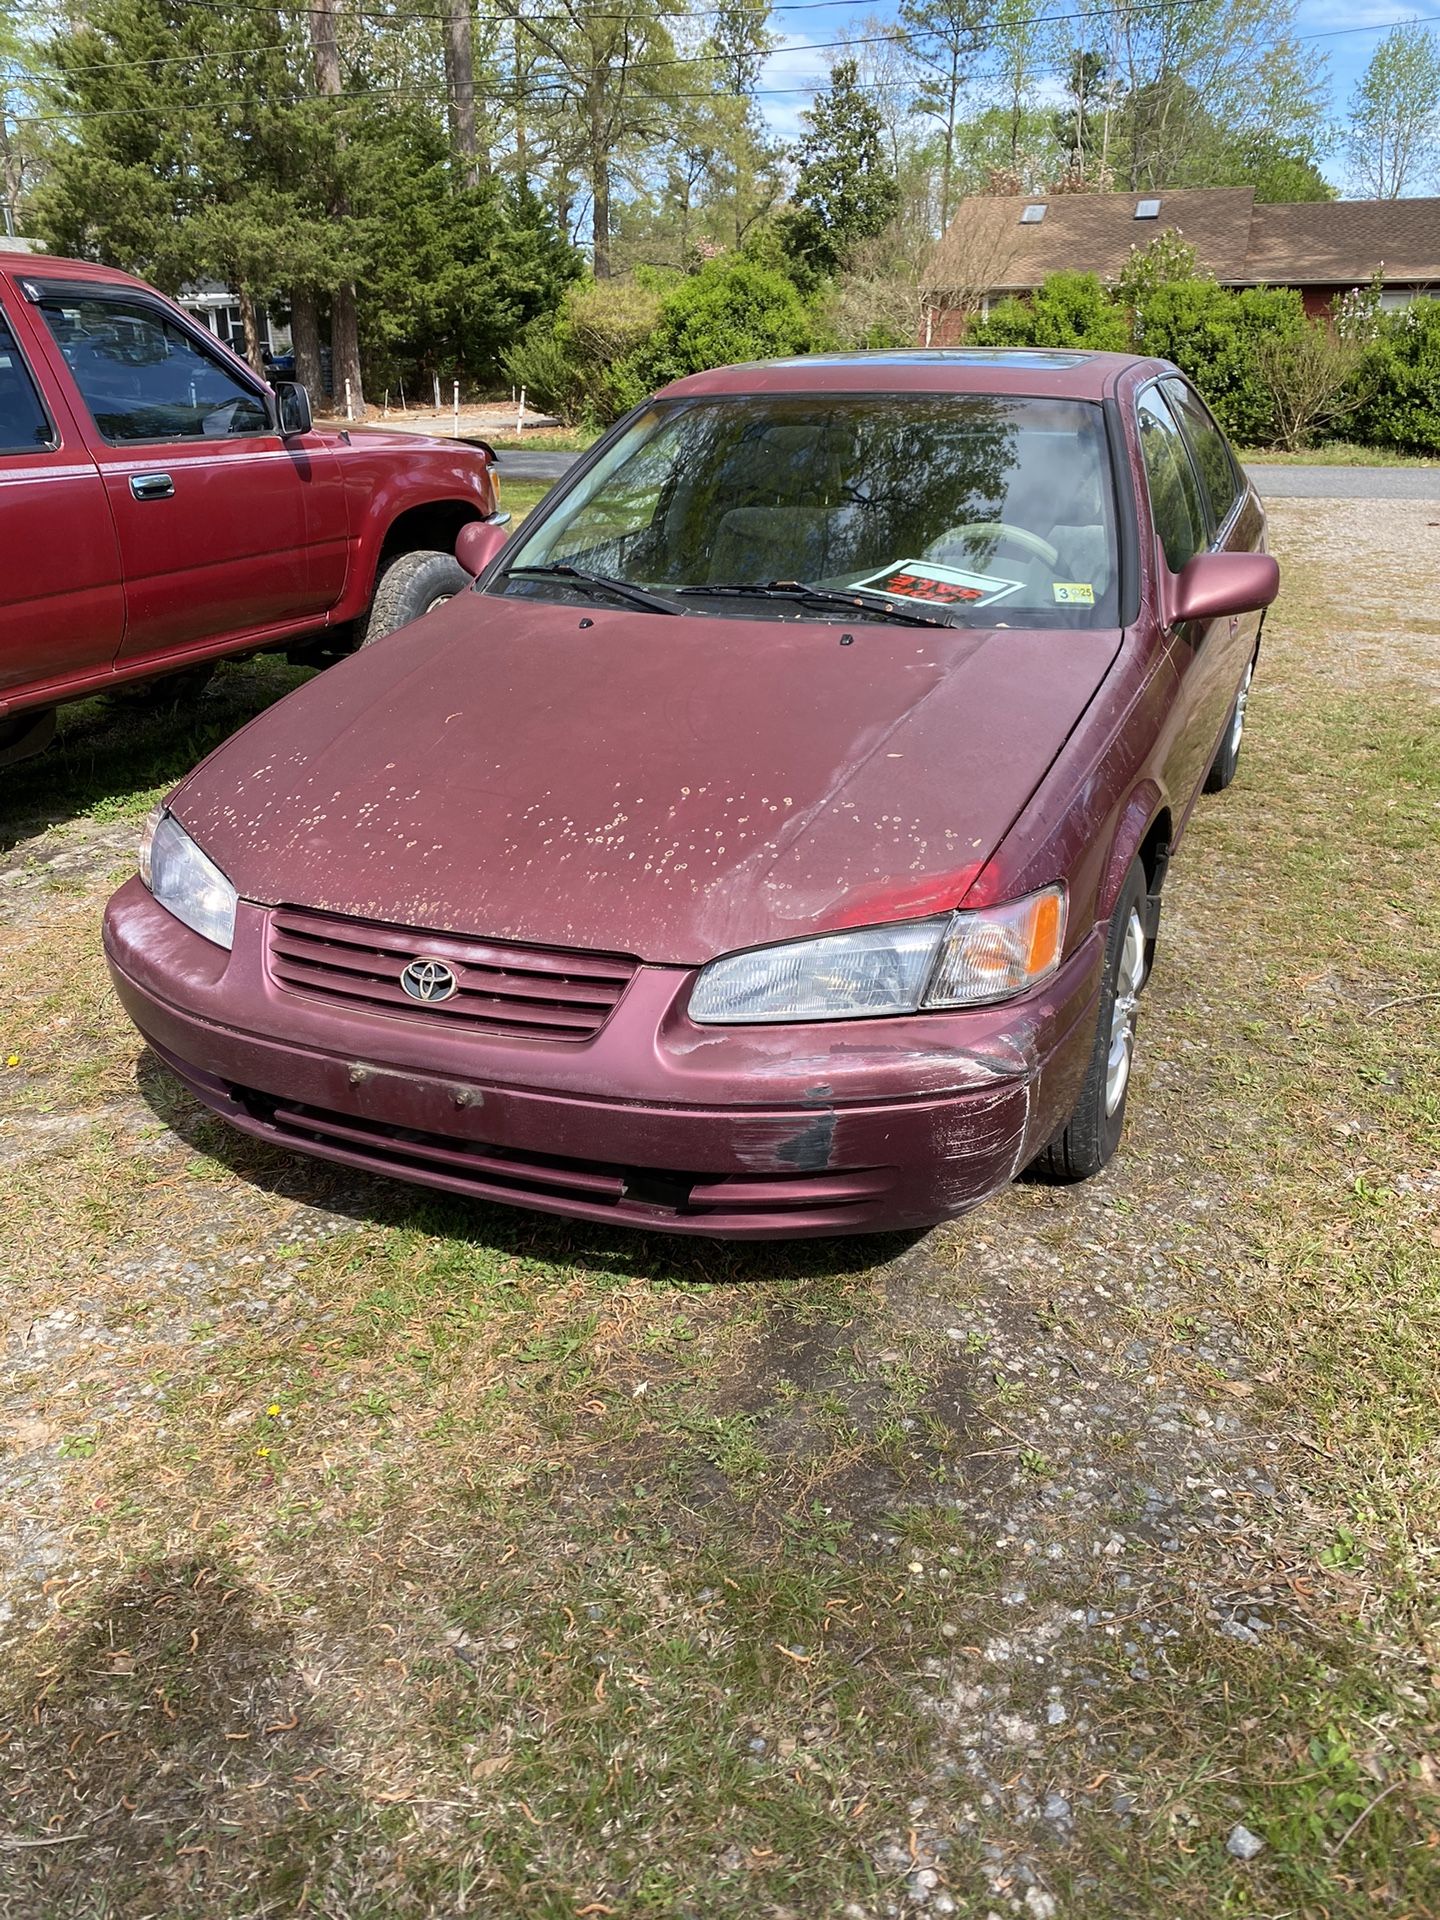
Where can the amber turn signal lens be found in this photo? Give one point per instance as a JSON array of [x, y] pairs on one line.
[[1047, 928]]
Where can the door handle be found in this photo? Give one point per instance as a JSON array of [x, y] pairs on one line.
[[151, 486]]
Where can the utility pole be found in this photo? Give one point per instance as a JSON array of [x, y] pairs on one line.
[[344, 327]]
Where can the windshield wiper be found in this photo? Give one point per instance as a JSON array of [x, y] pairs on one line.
[[602, 582], [862, 602]]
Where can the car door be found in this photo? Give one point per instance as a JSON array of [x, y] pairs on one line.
[[208, 501], [61, 609], [1233, 528], [1200, 660]]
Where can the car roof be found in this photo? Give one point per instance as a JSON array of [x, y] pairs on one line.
[[52, 267], [1049, 372]]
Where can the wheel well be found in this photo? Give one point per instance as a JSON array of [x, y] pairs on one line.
[[1154, 852], [436, 524]]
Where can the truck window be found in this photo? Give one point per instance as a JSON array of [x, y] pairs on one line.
[[23, 425], [143, 377]]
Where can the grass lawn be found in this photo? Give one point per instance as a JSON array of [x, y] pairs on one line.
[[370, 1555], [547, 440], [517, 497], [1339, 453]]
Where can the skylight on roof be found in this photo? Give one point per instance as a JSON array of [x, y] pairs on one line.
[[1147, 209], [1033, 214]]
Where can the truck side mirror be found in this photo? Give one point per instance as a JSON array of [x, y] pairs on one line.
[[292, 407]]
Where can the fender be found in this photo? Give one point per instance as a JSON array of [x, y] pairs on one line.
[[1137, 816], [388, 475]]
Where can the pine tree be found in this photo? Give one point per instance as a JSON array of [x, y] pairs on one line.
[[844, 192]]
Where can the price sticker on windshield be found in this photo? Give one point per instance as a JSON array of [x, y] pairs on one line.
[[927, 581]]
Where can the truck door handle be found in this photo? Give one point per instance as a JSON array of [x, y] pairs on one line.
[[151, 486]]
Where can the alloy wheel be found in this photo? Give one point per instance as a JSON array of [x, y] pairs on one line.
[[1130, 977], [1237, 724]]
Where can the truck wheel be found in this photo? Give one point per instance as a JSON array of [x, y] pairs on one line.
[[26, 734], [412, 584], [1090, 1136]]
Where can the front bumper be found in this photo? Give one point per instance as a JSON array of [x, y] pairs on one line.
[[739, 1133]]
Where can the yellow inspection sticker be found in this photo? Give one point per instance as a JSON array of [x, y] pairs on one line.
[[1074, 593]]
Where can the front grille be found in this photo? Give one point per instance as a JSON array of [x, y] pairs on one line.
[[538, 992], [483, 1172]]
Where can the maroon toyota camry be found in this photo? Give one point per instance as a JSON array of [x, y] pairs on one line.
[[772, 842]]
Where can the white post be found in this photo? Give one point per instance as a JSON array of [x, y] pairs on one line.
[[349, 405], [520, 415], [437, 393], [455, 429]]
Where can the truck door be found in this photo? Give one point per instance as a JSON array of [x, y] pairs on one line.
[[209, 502], [61, 609]]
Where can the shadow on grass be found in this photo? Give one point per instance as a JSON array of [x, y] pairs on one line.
[[159, 1745], [113, 760], [660, 1258]]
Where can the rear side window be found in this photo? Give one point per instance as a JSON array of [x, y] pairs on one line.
[[143, 377], [24, 427], [1213, 459], [1174, 490]]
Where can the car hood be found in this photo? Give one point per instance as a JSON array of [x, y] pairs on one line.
[[636, 783]]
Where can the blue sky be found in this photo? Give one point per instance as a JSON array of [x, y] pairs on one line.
[[1346, 31]]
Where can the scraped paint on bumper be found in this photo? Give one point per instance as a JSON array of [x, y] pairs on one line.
[[739, 1133]]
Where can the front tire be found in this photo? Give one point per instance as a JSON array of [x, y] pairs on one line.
[[412, 585], [1227, 759], [1088, 1140]]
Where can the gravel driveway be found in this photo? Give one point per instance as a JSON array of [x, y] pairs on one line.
[[367, 1555]]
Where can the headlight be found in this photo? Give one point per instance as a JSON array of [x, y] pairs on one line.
[[183, 879], [916, 966]]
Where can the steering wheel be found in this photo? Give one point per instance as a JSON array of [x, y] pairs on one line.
[[1002, 530]]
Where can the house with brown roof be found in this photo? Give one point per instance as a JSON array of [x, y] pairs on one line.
[[1007, 245]]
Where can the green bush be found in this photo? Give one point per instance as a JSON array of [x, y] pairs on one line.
[[613, 341], [575, 363], [1212, 334], [732, 310], [1400, 376], [1068, 310]]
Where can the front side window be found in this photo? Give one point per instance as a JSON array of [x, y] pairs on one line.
[[1213, 459], [1174, 490], [143, 377], [24, 427], [964, 508]]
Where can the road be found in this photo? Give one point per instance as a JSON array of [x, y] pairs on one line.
[[535, 466], [1274, 482], [1346, 483]]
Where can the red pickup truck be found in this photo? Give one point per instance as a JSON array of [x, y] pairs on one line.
[[161, 506]]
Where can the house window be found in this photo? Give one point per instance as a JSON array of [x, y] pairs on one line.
[[1147, 210]]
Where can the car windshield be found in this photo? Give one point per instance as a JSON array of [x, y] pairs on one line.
[[969, 509]]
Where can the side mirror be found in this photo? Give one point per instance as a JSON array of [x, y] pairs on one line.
[[477, 544], [1213, 585], [292, 407]]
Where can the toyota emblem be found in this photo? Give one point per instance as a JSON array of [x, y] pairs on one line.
[[428, 981]]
